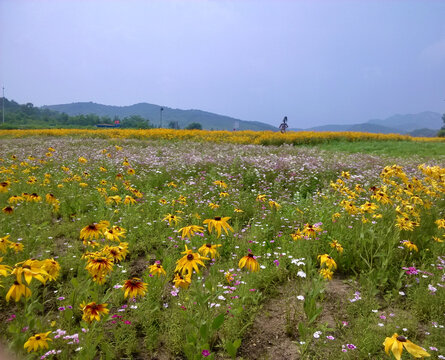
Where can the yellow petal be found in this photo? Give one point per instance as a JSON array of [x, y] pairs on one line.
[[397, 349], [415, 350]]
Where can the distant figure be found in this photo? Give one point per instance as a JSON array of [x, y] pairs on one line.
[[283, 126]]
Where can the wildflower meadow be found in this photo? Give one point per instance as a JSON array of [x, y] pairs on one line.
[[175, 244]]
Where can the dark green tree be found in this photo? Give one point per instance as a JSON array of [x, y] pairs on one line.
[[194, 126]]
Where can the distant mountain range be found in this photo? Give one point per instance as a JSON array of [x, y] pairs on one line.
[[152, 112], [426, 123]]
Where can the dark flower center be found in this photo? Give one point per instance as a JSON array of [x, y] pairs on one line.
[[91, 227], [218, 218], [190, 257], [16, 282], [209, 245], [250, 255], [401, 338], [37, 337]]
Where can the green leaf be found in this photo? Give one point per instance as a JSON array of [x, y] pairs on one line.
[[204, 331], [218, 321]]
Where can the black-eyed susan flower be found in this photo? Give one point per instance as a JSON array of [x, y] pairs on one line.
[[326, 273], [17, 247], [30, 269], [274, 205], [52, 268], [134, 287], [99, 266], [311, 230], [17, 290], [114, 234], [327, 260], [117, 253], [396, 343], [249, 262], [297, 235], [237, 210], [4, 186], [337, 246], [129, 200], [157, 269], [220, 183], [4, 269], [218, 223], [15, 199], [4, 243], [8, 210], [189, 261], [213, 206], [189, 231], [38, 341], [182, 280], [207, 249], [172, 218], [93, 231], [93, 311], [261, 198], [229, 276], [223, 194], [410, 245]]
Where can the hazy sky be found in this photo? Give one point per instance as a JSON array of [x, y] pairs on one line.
[[317, 62]]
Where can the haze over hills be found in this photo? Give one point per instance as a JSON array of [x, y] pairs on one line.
[[151, 112], [429, 122]]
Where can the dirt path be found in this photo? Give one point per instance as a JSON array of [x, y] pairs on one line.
[[274, 335]]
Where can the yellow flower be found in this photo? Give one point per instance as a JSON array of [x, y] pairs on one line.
[[82, 160], [209, 249], [311, 230], [189, 261], [410, 246], [238, 210], [99, 266], [249, 262], [17, 247], [213, 206], [274, 204], [157, 269], [297, 235], [189, 231], [129, 200], [172, 218], [326, 273], [440, 223], [218, 223], [220, 183], [337, 246], [93, 231], [118, 253], [4, 243], [327, 260], [261, 198], [134, 287], [8, 209], [396, 343], [92, 311], [182, 281], [52, 268], [4, 186], [229, 277], [345, 174], [435, 238], [17, 290], [30, 269], [38, 341], [223, 194], [114, 234]]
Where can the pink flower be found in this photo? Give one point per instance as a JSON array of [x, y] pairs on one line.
[[205, 353]]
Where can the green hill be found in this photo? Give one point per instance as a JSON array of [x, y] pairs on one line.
[[152, 112]]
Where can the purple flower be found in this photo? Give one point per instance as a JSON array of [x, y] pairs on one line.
[[62, 308], [351, 346], [205, 353]]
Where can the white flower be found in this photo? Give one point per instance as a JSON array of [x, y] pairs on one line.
[[300, 297], [301, 273], [317, 334], [401, 293]]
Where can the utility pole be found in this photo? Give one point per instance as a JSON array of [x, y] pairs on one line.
[[3, 104], [161, 110]]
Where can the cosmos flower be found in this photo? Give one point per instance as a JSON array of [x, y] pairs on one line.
[[396, 343], [218, 223], [38, 341], [249, 262]]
